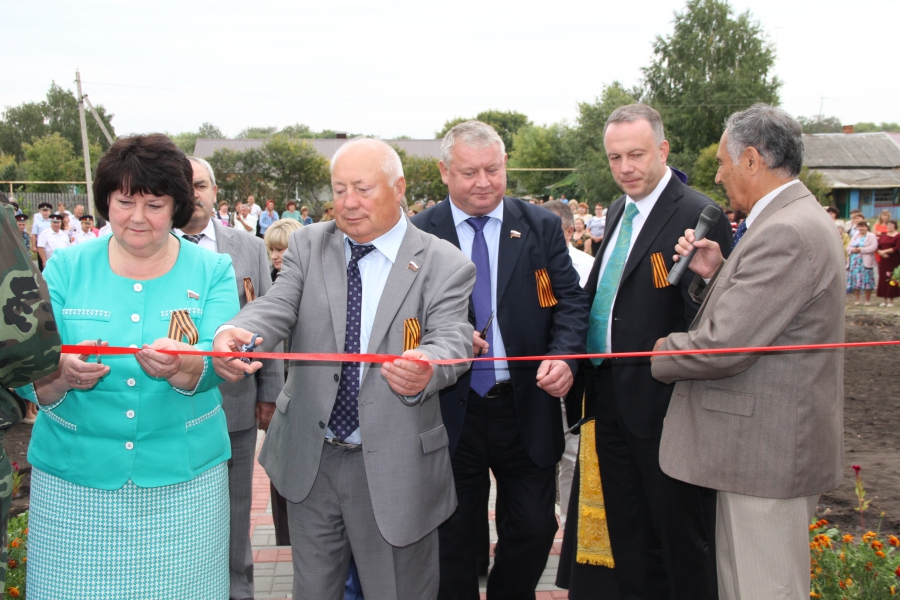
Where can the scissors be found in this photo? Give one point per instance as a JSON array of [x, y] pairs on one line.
[[247, 348], [487, 328]]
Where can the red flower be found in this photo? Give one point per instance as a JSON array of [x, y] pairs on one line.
[[15, 466], [857, 469]]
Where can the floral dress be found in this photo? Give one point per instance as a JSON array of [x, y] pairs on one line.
[[858, 276]]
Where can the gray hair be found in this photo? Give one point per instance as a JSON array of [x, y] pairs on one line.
[[774, 133], [562, 210], [390, 162], [632, 113], [209, 169], [473, 134]]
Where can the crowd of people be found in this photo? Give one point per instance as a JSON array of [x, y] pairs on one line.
[[679, 477]]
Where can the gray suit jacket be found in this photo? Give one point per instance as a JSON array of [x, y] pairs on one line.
[[248, 255], [404, 447], [768, 425]]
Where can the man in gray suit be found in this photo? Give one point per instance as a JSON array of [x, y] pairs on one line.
[[765, 429], [359, 452], [251, 399]]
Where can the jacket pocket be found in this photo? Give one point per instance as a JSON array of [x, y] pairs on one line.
[[283, 400], [735, 403], [58, 438], [434, 439], [202, 444], [85, 314]]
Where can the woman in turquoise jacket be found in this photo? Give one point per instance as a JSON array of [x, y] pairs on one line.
[[129, 493]]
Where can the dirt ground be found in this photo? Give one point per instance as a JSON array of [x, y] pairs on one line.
[[871, 426], [871, 422]]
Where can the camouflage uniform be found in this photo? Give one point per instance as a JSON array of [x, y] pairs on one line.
[[29, 346]]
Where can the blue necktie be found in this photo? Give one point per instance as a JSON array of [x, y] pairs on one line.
[[483, 378], [741, 230], [609, 283], [345, 414]]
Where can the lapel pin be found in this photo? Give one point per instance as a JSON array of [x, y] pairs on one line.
[[412, 266], [514, 234], [193, 294]]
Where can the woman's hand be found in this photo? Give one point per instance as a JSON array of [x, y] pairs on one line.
[[157, 364], [77, 372]]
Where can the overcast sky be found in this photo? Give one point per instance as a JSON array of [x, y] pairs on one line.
[[405, 67]]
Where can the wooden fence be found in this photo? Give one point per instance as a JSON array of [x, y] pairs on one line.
[[29, 201]]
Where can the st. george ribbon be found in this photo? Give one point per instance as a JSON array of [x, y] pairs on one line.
[[708, 219]]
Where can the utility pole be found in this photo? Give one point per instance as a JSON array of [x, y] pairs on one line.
[[85, 147]]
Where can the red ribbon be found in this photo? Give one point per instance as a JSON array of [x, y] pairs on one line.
[[386, 358]]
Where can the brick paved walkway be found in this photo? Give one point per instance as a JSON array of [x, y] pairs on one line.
[[273, 572]]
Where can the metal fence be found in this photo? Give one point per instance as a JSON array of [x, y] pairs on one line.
[[29, 201]]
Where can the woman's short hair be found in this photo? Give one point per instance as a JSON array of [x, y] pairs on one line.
[[146, 164], [892, 222], [279, 232], [223, 203], [291, 203], [583, 205], [304, 209]]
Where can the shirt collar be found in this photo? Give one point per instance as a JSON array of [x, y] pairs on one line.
[[646, 204], [765, 200], [388, 243], [209, 231], [459, 216]]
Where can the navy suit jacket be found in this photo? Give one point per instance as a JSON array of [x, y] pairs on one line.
[[643, 313], [528, 329]]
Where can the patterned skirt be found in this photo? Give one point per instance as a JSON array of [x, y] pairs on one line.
[[132, 543], [859, 277]]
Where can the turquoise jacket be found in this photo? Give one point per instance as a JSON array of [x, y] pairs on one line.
[[130, 425]]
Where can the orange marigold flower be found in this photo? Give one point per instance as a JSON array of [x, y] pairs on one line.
[[897, 572], [15, 543], [849, 582], [13, 591], [12, 563], [25, 532], [876, 545], [842, 557], [880, 554], [813, 526], [847, 539], [815, 594], [894, 541], [869, 536], [869, 566], [893, 589]]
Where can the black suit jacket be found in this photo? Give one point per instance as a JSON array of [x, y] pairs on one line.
[[643, 313], [528, 329]]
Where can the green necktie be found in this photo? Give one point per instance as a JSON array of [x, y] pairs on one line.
[[606, 289]]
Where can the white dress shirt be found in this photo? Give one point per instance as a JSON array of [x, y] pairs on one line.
[[764, 202], [374, 269], [249, 220], [466, 235], [50, 241], [644, 206], [583, 263], [82, 237], [208, 240]]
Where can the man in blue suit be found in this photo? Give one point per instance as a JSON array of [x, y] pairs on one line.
[[505, 415]]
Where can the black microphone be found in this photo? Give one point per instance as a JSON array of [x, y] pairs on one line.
[[708, 219]]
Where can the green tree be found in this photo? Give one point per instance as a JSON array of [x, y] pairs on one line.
[[593, 178], [703, 177], [51, 158], [239, 174], [506, 122], [257, 133], [294, 167], [872, 127], [187, 140], [712, 65], [820, 124], [816, 183], [542, 148], [423, 177], [21, 124], [61, 113], [57, 113]]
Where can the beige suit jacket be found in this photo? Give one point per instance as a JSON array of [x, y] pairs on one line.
[[768, 425]]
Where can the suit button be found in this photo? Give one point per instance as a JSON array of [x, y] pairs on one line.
[[321, 424], [337, 377], [463, 401]]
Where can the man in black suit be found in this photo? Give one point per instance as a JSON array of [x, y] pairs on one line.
[[505, 415], [661, 529]]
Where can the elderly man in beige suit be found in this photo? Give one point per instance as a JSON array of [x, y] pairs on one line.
[[765, 429]]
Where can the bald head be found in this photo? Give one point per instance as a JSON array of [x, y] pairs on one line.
[[382, 153]]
